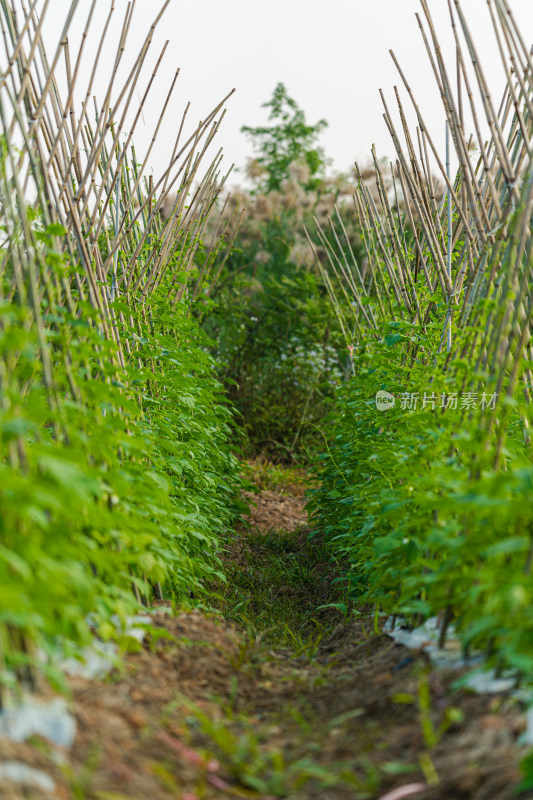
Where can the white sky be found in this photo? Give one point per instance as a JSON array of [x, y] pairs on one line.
[[332, 55]]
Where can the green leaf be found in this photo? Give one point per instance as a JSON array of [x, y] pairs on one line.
[[55, 229]]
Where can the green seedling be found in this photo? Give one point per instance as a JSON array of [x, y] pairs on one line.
[[304, 647]]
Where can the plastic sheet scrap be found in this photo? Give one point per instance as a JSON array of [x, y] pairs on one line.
[[480, 680], [98, 659], [17, 772], [33, 717]]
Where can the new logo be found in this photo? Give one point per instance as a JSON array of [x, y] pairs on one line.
[[384, 400]]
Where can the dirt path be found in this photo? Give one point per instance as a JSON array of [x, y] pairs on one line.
[[267, 695]]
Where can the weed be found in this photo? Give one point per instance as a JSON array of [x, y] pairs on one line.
[[306, 647], [253, 762], [431, 733]]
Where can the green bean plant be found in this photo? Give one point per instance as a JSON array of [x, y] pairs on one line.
[[427, 470], [116, 473]]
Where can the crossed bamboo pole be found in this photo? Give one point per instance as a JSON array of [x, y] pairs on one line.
[[474, 243]]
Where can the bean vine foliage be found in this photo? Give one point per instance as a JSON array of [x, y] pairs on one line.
[[427, 473], [116, 475]]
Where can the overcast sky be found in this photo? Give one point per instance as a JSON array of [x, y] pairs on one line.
[[333, 55]]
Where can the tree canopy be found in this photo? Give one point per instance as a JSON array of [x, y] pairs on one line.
[[290, 138]]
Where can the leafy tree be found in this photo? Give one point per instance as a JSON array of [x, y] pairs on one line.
[[290, 138]]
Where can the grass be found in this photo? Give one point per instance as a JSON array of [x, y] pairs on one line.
[[286, 480], [275, 583]]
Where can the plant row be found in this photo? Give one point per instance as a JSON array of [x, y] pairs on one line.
[[117, 478], [427, 475]]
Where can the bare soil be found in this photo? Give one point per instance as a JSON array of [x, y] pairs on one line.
[[270, 696]]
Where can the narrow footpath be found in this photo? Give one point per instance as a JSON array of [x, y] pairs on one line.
[[264, 694]]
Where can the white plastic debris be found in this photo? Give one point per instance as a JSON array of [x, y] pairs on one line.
[[135, 627], [426, 638], [480, 680], [92, 663], [52, 720], [99, 659], [131, 622], [488, 683], [527, 737], [28, 776]]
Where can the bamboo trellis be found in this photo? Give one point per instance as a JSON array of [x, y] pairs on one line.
[[481, 228]]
